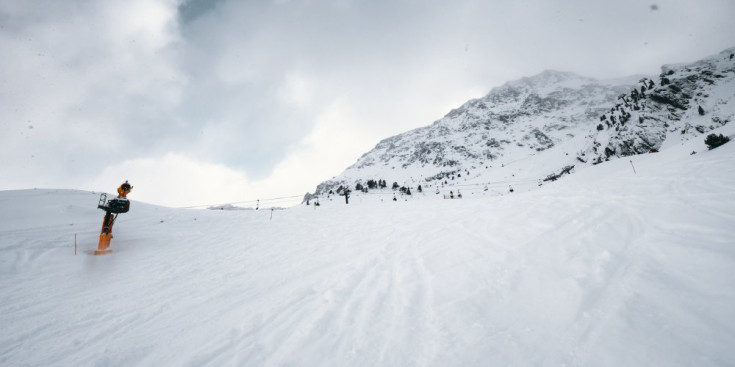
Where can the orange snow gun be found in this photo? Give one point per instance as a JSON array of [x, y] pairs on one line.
[[112, 208]]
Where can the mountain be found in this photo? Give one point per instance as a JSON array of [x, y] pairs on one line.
[[540, 127], [684, 102], [516, 120]]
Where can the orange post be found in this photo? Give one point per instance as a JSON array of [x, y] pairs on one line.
[[105, 234], [103, 247]]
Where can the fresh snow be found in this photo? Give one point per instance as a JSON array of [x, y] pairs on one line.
[[605, 267]]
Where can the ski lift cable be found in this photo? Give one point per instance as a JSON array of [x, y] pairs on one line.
[[267, 200], [293, 197]]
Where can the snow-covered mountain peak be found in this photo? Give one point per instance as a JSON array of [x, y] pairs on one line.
[[552, 80], [552, 122], [520, 118]]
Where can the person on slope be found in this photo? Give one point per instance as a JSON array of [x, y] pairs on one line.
[[124, 189]]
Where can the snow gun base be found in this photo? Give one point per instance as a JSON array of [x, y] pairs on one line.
[[103, 247]]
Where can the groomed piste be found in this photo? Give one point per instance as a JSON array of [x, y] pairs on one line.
[[605, 267]]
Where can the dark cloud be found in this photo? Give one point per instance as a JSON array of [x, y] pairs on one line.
[[190, 10]]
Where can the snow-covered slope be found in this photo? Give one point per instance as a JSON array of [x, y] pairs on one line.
[[553, 123], [512, 122], [605, 268]]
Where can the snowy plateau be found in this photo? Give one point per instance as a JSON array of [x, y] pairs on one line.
[[628, 260]]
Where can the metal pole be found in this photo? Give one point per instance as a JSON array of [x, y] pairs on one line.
[[631, 164]]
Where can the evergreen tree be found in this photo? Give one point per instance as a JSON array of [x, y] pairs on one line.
[[713, 141], [701, 111], [420, 189]]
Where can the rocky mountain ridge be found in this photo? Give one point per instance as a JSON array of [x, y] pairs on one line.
[[685, 101], [558, 119]]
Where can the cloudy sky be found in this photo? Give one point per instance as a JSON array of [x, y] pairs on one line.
[[213, 101]]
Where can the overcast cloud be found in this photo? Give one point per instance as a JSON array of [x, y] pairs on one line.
[[214, 101]]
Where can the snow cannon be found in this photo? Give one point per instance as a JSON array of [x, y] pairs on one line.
[[112, 208]]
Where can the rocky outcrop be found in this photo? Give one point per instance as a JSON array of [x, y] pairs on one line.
[[685, 101]]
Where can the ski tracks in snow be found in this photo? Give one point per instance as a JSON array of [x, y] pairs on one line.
[[376, 310], [620, 269]]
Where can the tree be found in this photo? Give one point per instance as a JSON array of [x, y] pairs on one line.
[[396, 185], [701, 110], [713, 140], [420, 189]]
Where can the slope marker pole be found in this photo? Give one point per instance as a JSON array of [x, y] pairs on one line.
[[631, 164]]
